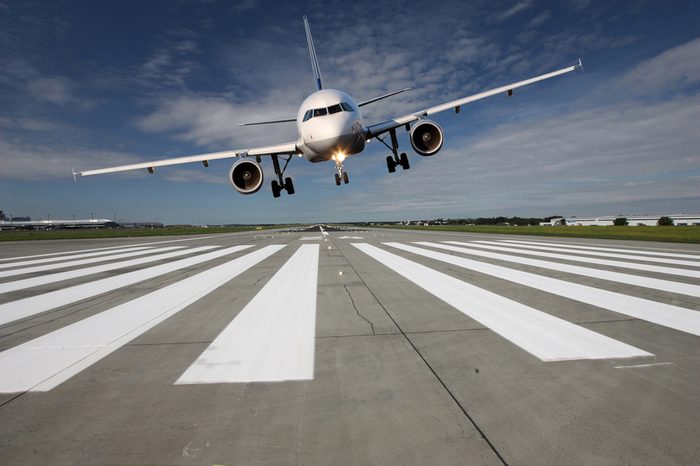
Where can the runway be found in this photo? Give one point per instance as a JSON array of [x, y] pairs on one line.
[[333, 346]]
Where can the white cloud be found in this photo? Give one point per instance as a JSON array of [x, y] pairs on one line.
[[22, 161], [539, 20], [514, 10], [671, 71], [55, 90]]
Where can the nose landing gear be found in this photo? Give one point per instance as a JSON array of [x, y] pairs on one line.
[[341, 173]]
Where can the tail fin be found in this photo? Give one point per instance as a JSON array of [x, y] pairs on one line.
[[312, 53]]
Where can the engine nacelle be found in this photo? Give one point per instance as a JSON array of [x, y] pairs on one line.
[[246, 176], [426, 137]]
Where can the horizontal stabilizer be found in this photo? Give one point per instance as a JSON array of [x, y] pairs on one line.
[[384, 96], [269, 122]]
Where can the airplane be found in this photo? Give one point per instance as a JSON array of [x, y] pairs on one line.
[[330, 127]]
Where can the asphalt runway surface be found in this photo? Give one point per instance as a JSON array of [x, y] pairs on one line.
[[332, 346]]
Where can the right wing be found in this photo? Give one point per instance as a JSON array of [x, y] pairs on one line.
[[279, 149], [383, 127]]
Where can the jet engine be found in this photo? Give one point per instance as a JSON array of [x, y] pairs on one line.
[[246, 176], [426, 137]]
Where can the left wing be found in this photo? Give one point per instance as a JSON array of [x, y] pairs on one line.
[[380, 128], [288, 148]]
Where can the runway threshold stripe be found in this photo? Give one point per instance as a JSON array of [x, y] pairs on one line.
[[45, 362], [60, 276], [272, 339], [70, 257], [678, 318], [540, 334], [594, 248], [589, 260], [630, 279], [526, 247], [27, 307], [68, 253], [75, 263], [146, 244]]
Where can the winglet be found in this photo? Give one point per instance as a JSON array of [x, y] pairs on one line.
[[312, 54], [580, 65], [75, 179]]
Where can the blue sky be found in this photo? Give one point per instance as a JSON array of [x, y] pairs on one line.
[[88, 84]]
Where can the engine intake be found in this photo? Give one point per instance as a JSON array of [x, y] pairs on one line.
[[426, 137], [246, 176]]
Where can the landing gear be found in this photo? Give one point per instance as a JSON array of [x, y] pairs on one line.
[[393, 160], [281, 183], [341, 173]]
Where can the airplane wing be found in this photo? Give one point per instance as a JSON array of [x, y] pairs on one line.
[[279, 149], [383, 127]]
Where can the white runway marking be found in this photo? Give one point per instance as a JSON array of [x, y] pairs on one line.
[[73, 257], [675, 317], [645, 365], [147, 244], [272, 338], [47, 361], [589, 260], [60, 276], [350, 237], [594, 248], [311, 238], [27, 307], [68, 253], [525, 249], [540, 334], [74, 263], [636, 280]]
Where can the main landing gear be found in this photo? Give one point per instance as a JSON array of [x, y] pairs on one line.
[[281, 183], [392, 161]]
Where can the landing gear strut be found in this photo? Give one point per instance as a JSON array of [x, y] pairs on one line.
[[341, 173], [393, 160], [281, 183]]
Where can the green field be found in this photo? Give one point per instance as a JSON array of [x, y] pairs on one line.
[[675, 234], [25, 235]]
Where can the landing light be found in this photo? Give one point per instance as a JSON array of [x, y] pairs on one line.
[[339, 157]]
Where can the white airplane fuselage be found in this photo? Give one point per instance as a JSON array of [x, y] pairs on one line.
[[333, 129]]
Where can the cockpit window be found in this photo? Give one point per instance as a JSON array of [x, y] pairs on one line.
[[334, 109], [320, 112], [346, 107], [308, 115]]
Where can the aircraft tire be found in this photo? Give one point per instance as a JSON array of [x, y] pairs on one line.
[[337, 179], [275, 188], [404, 161], [346, 179], [289, 186], [390, 164]]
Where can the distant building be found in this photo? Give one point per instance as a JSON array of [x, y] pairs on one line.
[[632, 220], [141, 225], [18, 223]]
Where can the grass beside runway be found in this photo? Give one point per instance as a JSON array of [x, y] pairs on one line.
[[677, 234], [26, 235]]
